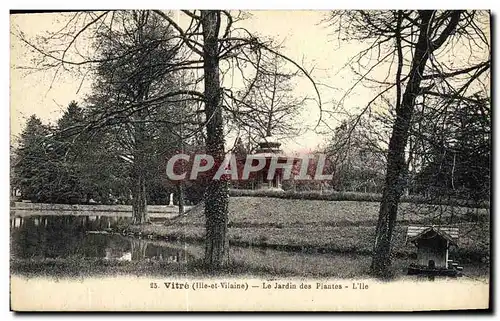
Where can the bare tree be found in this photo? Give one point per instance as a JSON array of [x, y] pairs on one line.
[[209, 38], [417, 51], [213, 37], [267, 105], [356, 157], [131, 70]]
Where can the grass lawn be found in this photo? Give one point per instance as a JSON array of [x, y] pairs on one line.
[[263, 211], [327, 226], [244, 261]]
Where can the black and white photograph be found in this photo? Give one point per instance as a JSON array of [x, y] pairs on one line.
[[250, 160]]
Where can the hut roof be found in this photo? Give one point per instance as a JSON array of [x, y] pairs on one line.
[[448, 233]]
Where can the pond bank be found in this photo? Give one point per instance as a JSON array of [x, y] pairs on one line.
[[28, 209]]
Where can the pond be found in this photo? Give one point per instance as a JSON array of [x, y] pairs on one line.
[[64, 237], [42, 238]]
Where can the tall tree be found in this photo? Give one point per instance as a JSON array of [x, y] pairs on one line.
[[31, 168], [213, 37], [453, 151], [132, 70], [357, 159], [421, 45], [53, 165], [92, 158], [268, 105], [234, 46], [217, 195], [209, 38]]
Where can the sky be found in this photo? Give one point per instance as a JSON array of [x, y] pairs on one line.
[[306, 39]]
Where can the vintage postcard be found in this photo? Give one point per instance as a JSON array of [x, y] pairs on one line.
[[232, 160]]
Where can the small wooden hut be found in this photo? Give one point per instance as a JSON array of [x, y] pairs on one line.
[[433, 244]]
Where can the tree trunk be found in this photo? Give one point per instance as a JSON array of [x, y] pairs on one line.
[[139, 200], [217, 192], [180, 190], [138, 249]]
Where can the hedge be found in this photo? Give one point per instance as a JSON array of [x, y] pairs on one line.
[[353, 196]]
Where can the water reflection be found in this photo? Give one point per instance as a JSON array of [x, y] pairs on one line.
[[71, 237], [89, 223], [39, 237]]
